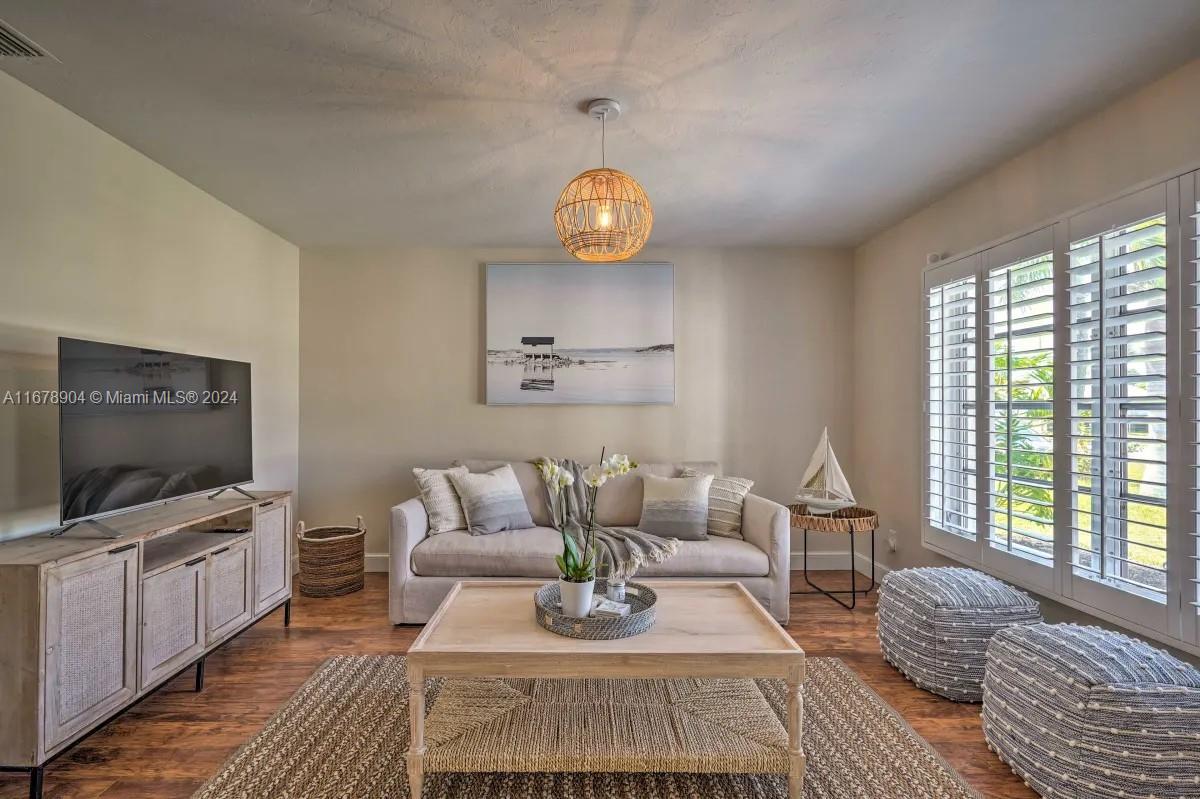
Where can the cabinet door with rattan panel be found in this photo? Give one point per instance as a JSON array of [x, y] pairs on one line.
[[91, 634], [272, 556], [230, 586], [173, 610]]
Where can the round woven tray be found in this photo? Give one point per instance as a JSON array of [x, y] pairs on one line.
[[846, 520], [547, 608], [331, 559]]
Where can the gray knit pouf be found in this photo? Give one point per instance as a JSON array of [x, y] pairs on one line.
[[935, 624], [1085, 713]]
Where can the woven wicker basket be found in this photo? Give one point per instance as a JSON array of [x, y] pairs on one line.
[[846, 520], [547, 610], [331, 559]]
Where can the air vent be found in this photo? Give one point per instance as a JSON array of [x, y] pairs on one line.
[[14, 45]]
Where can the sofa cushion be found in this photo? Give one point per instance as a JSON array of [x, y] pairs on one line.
[[619, 501], [715, 557], [530, 553]]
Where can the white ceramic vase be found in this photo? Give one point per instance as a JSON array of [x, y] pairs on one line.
[[576, 597]]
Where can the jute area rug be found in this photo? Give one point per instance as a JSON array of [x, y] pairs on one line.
[[345, 733]]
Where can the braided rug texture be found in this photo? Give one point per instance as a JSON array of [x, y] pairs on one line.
[[344, 734]]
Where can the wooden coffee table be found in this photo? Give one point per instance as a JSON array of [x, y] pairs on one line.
[[486, 628]]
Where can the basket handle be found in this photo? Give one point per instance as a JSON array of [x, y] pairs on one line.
[[362, 530]]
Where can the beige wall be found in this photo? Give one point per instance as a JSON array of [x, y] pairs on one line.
[[392, 358], [1147, 135], [100, 242]]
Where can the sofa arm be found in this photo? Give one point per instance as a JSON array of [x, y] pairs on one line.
[[409, 527], [768, 526]]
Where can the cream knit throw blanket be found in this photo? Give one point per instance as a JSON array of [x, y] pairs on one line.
[[620, 550]]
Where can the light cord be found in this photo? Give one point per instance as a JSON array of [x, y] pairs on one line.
[[603, 139]]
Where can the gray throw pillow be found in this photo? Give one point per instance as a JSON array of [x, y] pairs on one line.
[[441, 499], [675, 507], [493, 501], [726, 497]]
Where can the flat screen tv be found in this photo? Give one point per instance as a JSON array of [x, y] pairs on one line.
[[140, 426]]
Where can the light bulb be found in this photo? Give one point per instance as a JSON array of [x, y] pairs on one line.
[[604, 218]]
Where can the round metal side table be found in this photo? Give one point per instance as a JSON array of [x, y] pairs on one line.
[[848, 521]]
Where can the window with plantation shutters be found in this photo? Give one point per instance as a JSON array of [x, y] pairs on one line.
[[1062, 423], [951, 402], [1019, 372], [1117, 325]]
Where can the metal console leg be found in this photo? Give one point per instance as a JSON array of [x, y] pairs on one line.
[[853, 592], [287, 613], [35, 777], [199, 675]]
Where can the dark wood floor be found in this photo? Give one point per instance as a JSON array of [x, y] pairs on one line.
[[171, 742]]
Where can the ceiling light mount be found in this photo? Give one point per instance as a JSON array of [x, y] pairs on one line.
[[604, 108]]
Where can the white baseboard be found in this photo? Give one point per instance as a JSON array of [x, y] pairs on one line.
[[837, 561]]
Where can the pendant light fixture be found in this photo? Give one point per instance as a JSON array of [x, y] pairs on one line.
[[603, 215]]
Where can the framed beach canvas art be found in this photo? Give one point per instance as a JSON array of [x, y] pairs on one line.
[[580, 334]]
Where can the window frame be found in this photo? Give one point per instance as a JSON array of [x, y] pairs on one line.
[[1187, 505], [1177, 622]]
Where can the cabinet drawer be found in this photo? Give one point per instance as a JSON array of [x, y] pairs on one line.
[[91, 634], [229, 583], [173, 610]]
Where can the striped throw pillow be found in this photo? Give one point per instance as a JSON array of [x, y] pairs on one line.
[[725, 500], [492, 501], [441, 499], [675, 507]]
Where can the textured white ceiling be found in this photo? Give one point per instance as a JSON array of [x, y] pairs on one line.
[[457, 123]]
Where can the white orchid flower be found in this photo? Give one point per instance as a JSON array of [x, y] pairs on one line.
[[619, 464], [565, 479], [595, 475]]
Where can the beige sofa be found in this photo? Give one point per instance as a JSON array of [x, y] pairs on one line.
[[424, 568]]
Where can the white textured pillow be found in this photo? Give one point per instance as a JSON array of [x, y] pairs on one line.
[[675, 507], [726, 497], [441, 499], [492, 502]]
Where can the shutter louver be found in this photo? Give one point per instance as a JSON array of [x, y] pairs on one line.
[[952, 364], [1118, 407], [1020, 408]]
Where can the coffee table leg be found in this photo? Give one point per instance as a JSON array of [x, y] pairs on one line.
[[416, 743], [795, 716]]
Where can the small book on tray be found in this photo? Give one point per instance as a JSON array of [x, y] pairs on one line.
[[602, 607]]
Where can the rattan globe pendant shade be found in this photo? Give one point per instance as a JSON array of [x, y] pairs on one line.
[[603, 215]]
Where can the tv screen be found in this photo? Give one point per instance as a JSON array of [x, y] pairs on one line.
[[140, 426]]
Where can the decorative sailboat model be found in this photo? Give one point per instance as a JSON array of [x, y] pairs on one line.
[[824, 488]]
